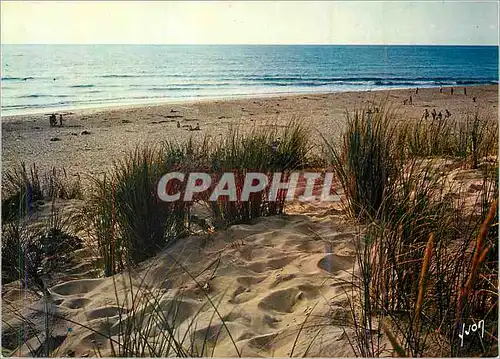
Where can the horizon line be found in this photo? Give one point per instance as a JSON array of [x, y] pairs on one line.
[[257, 44]]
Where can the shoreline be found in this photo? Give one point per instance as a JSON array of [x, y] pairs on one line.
[[190, 100]]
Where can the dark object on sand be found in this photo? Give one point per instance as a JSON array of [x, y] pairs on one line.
[[426, 114], [433, 113], [275, 145], [452, 90], [411, 101], [60, 120], [447, 113], [52, 120], [405, 101], [53, 139], [416, 91], [197, 128], [85, 132], [439, 116], [178, 124], [440, 90], [465, 91], [474, 99], [173, 111]]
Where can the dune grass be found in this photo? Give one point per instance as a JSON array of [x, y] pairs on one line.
[[23, 188], [425, 266], [263, 151], [365, 160], [417, 249], [470, 139], [128, 223]]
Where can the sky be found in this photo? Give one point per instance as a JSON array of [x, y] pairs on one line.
[[250, 22]]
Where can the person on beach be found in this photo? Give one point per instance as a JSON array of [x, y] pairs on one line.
[[447, 113], [178, 124], [433, 113], [52, 120], [426, 114], [474, 99], [275, 145], [441, 89], [465, 91], [60, 120], [416, 91], [439, 115], [411, 102], [404, 101], [452, 90]]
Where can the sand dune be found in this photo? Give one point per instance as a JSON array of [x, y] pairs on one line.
[[279, 283], [270, 278]]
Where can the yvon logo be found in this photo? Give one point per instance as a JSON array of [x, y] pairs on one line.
[[472, 328]]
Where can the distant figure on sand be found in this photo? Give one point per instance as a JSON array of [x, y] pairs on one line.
[[440, 90], [447, 113], [178, 124], [465, 91], [426, 114], [52, 120], [404, 101], [433, 113], [416, 91], [60, 120], [439, 116], [275, 145], [452, 90], [474, 99], [411, 102]]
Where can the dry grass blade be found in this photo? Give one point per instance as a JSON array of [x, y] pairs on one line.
[[421, 284], [479, 254], [394, 342]]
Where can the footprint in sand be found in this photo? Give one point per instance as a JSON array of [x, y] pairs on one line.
[[282, 278], [275, 263], [333, 263], [249, 281], [241, 295], [282, 301], [105, 312], [76, 303], [79, 286], [263, 341]]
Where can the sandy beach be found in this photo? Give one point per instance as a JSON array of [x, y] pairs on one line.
[[114, 131], [280, 284]]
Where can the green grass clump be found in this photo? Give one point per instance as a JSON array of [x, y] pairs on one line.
[[126, 219], [263, 151], [417, 256], [30, 253], [23, 188], [366, 161], [470, 139]]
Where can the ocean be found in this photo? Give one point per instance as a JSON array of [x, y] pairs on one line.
[[37, 78]]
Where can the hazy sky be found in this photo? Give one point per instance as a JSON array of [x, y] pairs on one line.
[[241, 22]]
